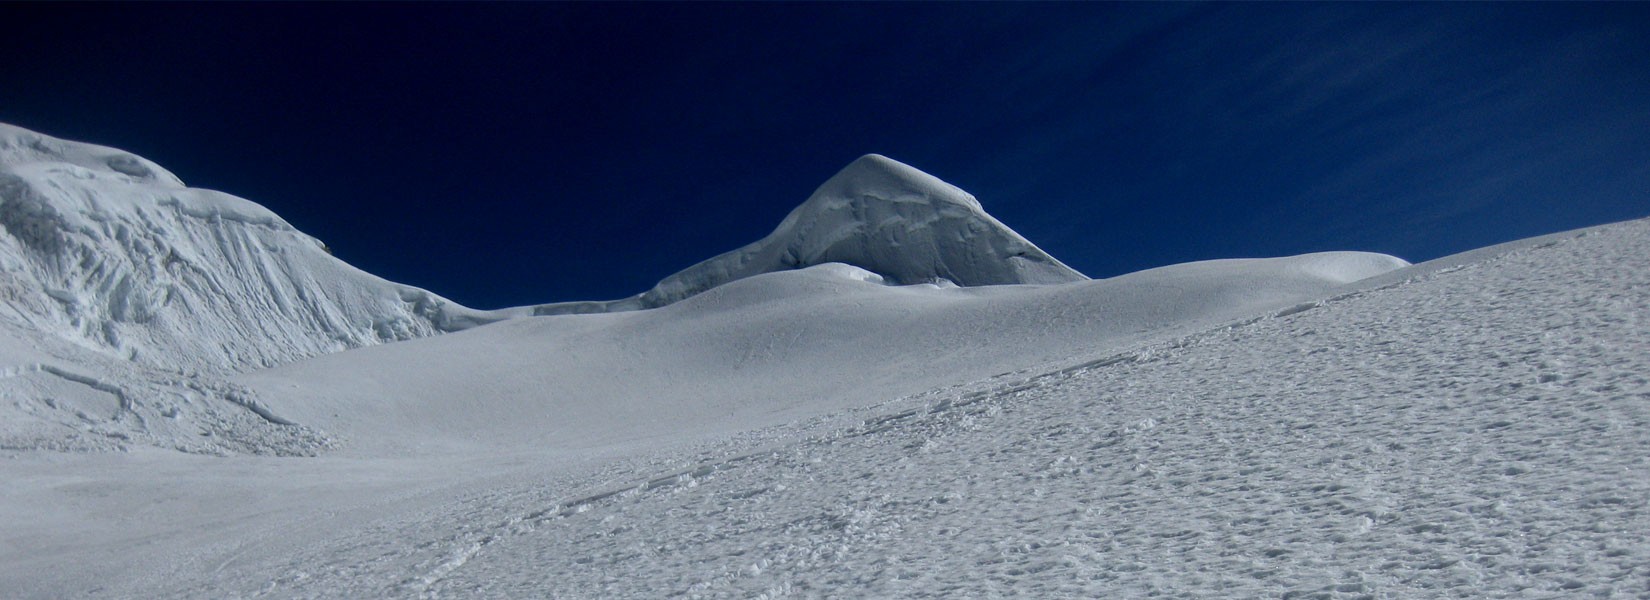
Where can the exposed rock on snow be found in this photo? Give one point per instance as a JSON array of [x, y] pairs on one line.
[[880, 215], [114, 252]]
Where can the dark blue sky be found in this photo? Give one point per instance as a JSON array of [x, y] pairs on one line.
[[505, 154]]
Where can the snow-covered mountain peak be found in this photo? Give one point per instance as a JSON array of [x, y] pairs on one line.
[[877, 176], [910, 227], [883, 216]]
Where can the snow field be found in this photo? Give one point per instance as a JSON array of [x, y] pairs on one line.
[[1477, 433], [1472, 430], [759, 351]]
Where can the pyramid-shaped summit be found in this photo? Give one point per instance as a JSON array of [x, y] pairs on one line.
[[888, 218]]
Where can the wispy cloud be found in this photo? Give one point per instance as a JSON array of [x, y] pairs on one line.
[[1416, 129]]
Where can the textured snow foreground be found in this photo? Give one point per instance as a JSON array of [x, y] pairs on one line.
[[779, 423], [1479, 429]]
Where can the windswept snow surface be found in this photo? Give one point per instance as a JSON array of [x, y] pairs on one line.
[[880, 215]]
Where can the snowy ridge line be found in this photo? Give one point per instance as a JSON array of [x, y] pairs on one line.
[[1481, 256], [884, 422], [1143, 353], [1401, 277]]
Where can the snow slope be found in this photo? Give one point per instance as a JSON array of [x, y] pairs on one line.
[[1467, 429], [757, 351], [113, 252], [880, 215], [1479, 431], [1476, 430]]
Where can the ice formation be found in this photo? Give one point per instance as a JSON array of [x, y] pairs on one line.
[[112, 251]]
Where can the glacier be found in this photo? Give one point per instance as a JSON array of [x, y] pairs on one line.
[[891, 395]]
